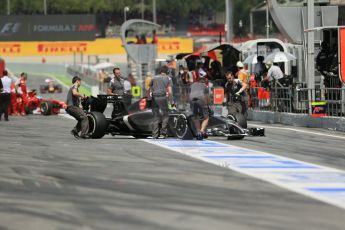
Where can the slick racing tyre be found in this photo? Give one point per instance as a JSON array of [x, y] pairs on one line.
[[241, 121], [182, 128], [46, 108], [97, 125], [239, 118]]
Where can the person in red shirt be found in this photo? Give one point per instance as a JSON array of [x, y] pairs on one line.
[[22, 90], [13, 109], [154, 37]]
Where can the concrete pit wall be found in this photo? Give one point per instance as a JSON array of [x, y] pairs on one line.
[[304, 120]]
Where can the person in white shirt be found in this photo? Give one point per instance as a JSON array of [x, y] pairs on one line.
[[274, 72], [5, 97]]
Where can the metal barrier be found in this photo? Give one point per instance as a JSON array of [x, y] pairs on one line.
[[276, 99], [87, 75], [292, 100], [280, 99], [333, 98]]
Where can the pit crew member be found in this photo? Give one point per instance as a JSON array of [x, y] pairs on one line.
[[160, 88], [22, 91], [74, 109], [235, 93], [199, 100]]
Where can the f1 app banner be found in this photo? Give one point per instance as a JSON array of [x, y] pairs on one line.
[[48, 28]]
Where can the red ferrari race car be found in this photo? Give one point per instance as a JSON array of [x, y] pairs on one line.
[[46, 106]]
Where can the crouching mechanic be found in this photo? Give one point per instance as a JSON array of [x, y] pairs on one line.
[[74, 109], [160, 86], [235, 93], [199, 101]]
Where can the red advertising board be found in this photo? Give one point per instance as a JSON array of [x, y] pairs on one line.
[[342, 54], [218, 96], [2, 66]]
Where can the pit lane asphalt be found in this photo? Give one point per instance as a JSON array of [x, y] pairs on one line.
[[50, 180]]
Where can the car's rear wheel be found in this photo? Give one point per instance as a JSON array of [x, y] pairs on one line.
[[46, 108], [97, 124], [182, 128], [239, 118]]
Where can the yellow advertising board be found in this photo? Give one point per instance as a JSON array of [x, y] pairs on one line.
[[97, 47]]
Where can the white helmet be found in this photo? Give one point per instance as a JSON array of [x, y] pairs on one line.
[[269, 63], [239, 64]]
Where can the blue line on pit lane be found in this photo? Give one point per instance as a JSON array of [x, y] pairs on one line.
[[312, 177], [277, 164], [254, 157], [326, 190], [276, 167]]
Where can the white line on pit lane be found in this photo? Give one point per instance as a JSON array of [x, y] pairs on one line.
[[298, 130], [319, 182]]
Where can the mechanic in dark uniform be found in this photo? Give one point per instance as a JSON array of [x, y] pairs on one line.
[[199, 101], [159, 87], [5, 96], [73, 109], [323, 62], [235, 93], [116, 87]]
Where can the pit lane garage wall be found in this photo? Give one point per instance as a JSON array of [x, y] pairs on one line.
[[110, 46]]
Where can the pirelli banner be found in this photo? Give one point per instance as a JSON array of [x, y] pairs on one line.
[[98, 47], [48, 28]]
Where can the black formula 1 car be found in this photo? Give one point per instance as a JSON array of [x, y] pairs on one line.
[[137, 119], [50, 87]]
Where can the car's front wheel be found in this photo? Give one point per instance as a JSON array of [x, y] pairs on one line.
[[182, 128], [97, 125], [239, 118], [46, 108]]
